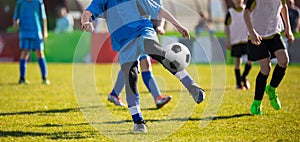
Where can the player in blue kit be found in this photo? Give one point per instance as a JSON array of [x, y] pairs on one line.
[[132, 35], [30, 18], [265, 20], [147, 76]]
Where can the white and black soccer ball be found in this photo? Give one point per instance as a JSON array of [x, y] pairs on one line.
[[177, 57]]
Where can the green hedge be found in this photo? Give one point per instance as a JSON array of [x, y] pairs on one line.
[[61, 47]]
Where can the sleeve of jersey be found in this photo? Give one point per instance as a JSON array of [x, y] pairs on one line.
[[227, 19], [43, 11], [16, 12], [151, 7], [96, 8], [250, 4]]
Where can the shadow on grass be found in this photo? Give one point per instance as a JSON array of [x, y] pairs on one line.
[[53, 136], [66, 110], [41, 111], [9, 84], [184, 119], [185, 90]]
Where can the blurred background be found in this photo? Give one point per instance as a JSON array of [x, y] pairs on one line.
[[61, 45]]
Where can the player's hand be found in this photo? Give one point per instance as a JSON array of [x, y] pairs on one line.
[[256, 38], [160, 30], [289, 35], [16, 24], [88, 27], [228, 46], [45, 35], [184, 32]]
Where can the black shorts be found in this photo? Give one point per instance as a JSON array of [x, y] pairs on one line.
[[266, 49], [238, 50]]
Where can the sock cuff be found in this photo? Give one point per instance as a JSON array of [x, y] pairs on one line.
[[147, 73], [41, 58], [114, 93], [257, 102], [263, 76], [237, 71], [247, 65], [280, 68], [22, 60], [181, 74]]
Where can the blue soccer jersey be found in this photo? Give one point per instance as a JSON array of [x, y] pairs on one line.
[[124, 19], [30, 13]]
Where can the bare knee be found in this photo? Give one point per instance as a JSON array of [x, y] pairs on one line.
[[24, 54], [39, 54], [265, 66], [282, 57], [283, 62], [145, 64]]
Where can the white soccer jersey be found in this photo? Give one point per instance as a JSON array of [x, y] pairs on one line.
[[237, 27], [266, 17]]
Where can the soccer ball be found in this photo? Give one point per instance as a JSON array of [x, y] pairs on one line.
[[177, 57]]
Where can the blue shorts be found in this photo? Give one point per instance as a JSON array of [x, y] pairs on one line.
[[32, 44], [132, 51]]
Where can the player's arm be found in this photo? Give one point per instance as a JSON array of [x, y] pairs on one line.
[[169, 17], [16, 24], [160, 23], [298, 25], [45, 29], [16, 19], [227, 30], [287, 30], [160, 27], [86, 25], [43, 20], [255, 37]]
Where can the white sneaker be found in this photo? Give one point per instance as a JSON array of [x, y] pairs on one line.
[[162, 100], [115, 99], [140, 126], [197, 93]]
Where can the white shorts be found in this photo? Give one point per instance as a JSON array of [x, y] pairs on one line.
[[134, 49]]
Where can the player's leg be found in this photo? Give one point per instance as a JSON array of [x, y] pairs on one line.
[[277, 76], [261, 54], [130, 71], [154, 50], [22, 63], [150, 82], [247, 69], [38, 47], [237, 73], [43, 66], [279, 71], [114, 96], [261, 82], [237, 51], [278, 50]]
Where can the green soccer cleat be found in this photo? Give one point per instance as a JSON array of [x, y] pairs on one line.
[[271, 91], [255, 108]]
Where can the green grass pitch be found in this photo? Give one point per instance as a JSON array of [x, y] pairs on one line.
[[74, 106]]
